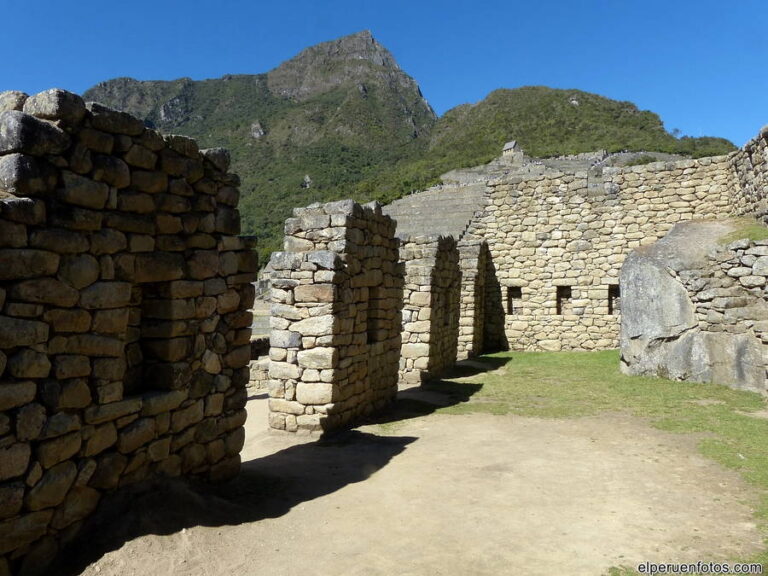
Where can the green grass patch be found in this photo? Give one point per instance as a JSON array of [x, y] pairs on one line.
[[748, 229], [575, 384]]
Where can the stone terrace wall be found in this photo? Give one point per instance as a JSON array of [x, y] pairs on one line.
[[430, 307], [750, 167], [554, 238], [337, 294], [124, 322]]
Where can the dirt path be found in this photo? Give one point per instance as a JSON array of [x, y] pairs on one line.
[[445, 495]]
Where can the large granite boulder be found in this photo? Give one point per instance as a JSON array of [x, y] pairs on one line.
[[685, 317]]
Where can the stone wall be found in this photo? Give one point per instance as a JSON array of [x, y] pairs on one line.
[[556, 245], [750, 173], [473, 260], [337, 293], [697, 309], [124, 322], [430, 307]]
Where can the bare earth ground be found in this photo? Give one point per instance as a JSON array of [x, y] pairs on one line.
[[442, 495]]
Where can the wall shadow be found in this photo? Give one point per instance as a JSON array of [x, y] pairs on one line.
[[266, 487], [438, 393]]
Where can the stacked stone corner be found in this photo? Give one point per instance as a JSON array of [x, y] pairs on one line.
[[335, 327]]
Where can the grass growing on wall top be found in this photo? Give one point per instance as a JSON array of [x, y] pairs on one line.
[[749, 228]]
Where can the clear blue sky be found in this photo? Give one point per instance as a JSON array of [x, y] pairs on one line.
[[701, 65]]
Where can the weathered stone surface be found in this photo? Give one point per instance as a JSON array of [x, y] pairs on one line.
[[106, 295], [158, 402], [28, 363], [24, 175], [45, 291], [14, 460], [20, 132], [56, 104], [159, 267], [15, 332], [103, 437], [82, 191], [318, 358], [97, 414], [660, 333], [71, 366], [317, 326], [81, 501], [185, 417], [52, 488], [58, 450], [68, 320], [11, 499], [58, 240], [109, 120], [30, 421], [25, 263], [314, 393], [18, 532], [219, 157], [13, 394], [136, 435], [12, 100], [111, 170]]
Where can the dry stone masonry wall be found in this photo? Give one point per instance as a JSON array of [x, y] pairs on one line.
[[697, 309], [430, 307], [337, 293], [124, 315], [556, 245]]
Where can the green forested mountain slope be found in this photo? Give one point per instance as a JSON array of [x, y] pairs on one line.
[[342, 119]]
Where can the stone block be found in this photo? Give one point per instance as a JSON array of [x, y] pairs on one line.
[[24, 175], [314, 393], [68, 320], [284, 339], [285, 406], [135, 435], [81, 502], [21, 132], [22, 530], [159, 267], [45, 291], [20, 264], [52, 452], [14, 460], [103, 437], [82, 191], [29, 363], [52, 487], [11, 499], [318, 358], [284, 371], [186, 417], [14, 394], [112, 121], [106, 295], [324, 325], [98, 414]]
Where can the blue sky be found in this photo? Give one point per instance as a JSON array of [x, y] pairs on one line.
[[701, 65]]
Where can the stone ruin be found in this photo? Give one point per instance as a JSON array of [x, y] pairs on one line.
[[337, 293], [124, 323], [125, 295], [431, 301], [697, 309]]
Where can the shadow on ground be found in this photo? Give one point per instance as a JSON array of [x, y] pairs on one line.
[[266, 487]]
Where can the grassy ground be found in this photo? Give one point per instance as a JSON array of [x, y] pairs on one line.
[[573, 384]]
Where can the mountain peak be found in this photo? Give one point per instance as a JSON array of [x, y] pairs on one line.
[[319, 68]]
